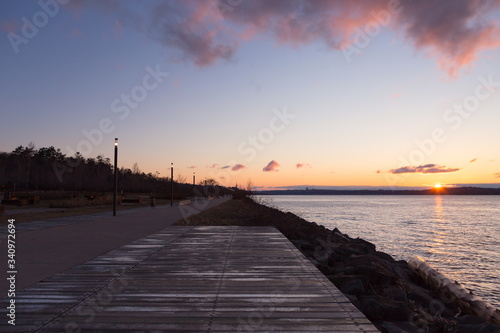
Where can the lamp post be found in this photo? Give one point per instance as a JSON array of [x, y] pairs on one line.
[[194, 182], [115, 176], [171, 184]]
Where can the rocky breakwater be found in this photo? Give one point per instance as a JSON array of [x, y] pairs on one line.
[[387, 291]]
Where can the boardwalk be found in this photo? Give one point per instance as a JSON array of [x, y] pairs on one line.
[[191, 279], [47, 247]]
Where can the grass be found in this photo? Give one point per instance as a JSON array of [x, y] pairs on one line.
[[63, 212]]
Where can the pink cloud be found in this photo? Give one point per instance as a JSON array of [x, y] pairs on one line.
[[497, 175], [453, 32], [473, 160], [271, 166], [456, 43], [192, 167], [303, 165], [195, 28], [238, 167], [428, 168]]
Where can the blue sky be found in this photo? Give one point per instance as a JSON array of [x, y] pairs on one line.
[[259, 84]]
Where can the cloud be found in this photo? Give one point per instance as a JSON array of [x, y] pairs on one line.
[[195, 28], [192, 167], [378, 171], [271, 166], [497, 175], [213, 166], [428, 168], [473, 160], [303, 165], [226, 167], [453, 32], [238, 167]]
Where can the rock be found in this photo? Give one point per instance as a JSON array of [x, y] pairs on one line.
[[401, 327], [353, 287], [363, 246], [405, 273], [345, 252], [396, 293], [377, 308], [420, 295], [384, 256], [325, 269], [478, 328], [341, 280], [376, 270], [469, 319], [353, 299]]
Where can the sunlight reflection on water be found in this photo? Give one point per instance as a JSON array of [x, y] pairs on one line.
[[457, 234]]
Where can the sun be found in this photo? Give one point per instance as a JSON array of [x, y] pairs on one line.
[[438, 186]]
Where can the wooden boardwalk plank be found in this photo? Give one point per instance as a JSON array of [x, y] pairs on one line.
[[192, 279]]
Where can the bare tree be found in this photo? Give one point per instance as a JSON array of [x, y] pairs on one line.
[[135, 168], [250, 185], [209, 181], [180, 179]]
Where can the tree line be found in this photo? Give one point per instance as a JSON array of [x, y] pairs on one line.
[[48, 169]]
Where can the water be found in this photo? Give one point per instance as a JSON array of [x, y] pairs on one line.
[[459, 235]]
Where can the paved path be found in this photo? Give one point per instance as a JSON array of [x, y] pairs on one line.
[[191, 279], [45, 248]]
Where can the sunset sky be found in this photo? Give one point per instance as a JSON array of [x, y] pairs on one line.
[[282, 92]]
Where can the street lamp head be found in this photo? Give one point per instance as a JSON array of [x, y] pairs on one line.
[[116, 142]]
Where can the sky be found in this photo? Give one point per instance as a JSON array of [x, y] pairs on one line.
[[283, 93]]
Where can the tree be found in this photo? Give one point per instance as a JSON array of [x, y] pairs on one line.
[[135, 169], [250, 185], [209, 182], [180, 179]]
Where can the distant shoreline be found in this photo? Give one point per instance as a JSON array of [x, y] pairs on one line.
[[441, 191]]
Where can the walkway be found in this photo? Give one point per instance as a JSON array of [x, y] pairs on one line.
[[45, 248], [191, 279]]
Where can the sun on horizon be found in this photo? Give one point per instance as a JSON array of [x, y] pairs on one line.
[[438, 186]]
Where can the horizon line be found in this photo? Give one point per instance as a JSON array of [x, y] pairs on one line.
[[369, 187]]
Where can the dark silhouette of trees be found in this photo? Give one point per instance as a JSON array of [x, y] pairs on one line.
[[48, 169], [27, 168]]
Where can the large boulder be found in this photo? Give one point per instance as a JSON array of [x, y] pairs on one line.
[[380, 309], [401, 327], [379, 272]]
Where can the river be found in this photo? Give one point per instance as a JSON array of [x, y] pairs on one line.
[[459, 235]]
